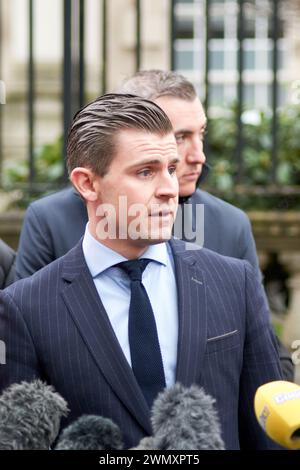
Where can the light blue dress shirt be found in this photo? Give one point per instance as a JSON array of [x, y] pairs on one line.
[[113, 287]]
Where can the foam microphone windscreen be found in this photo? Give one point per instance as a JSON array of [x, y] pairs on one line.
[[277, 408], [30, 415], [184, 419], [91, 432]]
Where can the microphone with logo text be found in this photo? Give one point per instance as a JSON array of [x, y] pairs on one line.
[[30, 415], [183, 419], [277, 408]]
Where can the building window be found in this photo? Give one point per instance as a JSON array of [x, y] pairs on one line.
[[223, 49]]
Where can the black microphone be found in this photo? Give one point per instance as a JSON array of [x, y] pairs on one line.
[[90, 432], [30, 415], [184, 419]]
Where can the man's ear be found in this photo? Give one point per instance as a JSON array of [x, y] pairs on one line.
[[84, 181]]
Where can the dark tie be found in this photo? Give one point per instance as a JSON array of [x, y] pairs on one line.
[[145, 352]]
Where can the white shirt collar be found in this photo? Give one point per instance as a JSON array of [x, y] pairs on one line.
[[99, 257]]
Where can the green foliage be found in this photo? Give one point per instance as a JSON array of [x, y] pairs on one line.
[[48, 162], [49, 170], [257, 160]]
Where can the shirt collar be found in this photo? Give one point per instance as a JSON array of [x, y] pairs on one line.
[[99, 257]]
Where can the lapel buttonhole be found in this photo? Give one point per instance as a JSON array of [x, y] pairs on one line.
[[197, 281]]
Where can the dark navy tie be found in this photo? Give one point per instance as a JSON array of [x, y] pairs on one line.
[[145, 352]]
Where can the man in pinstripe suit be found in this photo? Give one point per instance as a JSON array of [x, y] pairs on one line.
[[67, 324]]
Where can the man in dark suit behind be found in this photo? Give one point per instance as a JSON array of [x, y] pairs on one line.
[[68, 323]]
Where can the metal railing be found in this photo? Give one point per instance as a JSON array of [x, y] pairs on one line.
[[73, 85]]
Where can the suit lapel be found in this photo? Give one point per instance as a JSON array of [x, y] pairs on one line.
[[90, 317], [192, 311]]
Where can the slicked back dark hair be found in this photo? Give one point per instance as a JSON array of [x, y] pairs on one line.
[[92, 139], [153, 84]]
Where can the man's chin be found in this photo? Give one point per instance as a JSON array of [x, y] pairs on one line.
[[187, 190], [153, 238]]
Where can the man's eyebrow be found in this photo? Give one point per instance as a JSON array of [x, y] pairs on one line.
[[188, 131], [152, 162], [175, 160]]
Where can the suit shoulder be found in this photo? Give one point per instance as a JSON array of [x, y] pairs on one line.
[[207, 258], [229, 271], [63, 198], [214, 257], [217, 205], [46, 276], [7, 254], [7, 264]]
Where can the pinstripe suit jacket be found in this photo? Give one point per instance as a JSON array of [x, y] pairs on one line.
[[55, 328]]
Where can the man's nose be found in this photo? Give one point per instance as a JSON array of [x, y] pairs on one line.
[[195, 153], [167, 186]]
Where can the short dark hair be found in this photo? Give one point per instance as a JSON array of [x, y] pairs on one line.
[[92, 137], [153, 84]]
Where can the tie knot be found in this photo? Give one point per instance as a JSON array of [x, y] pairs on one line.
[[134, 268]]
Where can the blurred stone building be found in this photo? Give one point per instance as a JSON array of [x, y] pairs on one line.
[[156, 43]]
